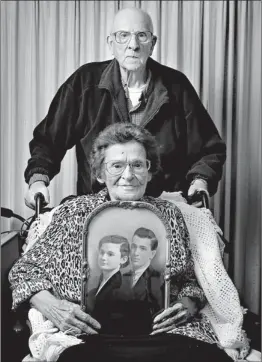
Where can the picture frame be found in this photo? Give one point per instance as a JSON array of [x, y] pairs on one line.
[[144, 236]]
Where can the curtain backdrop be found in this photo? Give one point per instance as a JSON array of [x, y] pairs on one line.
[[217, 44]]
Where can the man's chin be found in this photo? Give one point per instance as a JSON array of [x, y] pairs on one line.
[[132, 65]]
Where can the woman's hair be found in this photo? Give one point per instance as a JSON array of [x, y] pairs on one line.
[[119, 133], [120, 240]]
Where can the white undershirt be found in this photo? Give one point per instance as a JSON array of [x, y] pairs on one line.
[[138, 272], [135, 94]]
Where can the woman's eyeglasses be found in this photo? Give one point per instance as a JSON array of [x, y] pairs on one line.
[[137, 167]]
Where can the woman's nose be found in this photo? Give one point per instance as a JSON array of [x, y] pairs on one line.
[[128, 173]]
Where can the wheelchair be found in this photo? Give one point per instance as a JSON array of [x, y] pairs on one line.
[[15, 330]]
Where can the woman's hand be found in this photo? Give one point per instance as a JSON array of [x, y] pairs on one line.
[[65, 315], [181, 312]]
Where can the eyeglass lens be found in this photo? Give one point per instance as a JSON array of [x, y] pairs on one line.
[[124, 36], [118, 167]]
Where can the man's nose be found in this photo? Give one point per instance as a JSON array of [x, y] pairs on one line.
[[133, 42], [135, 251]]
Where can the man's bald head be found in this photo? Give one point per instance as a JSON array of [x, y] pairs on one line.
[[133, 25], [139, 18]]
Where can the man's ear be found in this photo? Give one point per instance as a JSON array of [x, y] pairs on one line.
[[110, 43], [154, 40], [153, 254], [124, 259], [149, 176]]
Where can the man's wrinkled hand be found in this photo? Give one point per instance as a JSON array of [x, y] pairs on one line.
[[36, 187], [196, 186], [181, 312]]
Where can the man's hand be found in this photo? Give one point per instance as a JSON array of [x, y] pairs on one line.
[[38, 186], [181, 312], [66, 316], [198, 185]]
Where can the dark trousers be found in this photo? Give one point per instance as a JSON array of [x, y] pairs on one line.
[[163, 348]]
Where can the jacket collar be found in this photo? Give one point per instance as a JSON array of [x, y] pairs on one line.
[[111, 76], [111, 80]]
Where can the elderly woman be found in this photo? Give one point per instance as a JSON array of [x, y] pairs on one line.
[[124, 158]]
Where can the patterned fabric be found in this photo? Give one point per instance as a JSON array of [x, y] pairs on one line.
[[54, 262], [137, 113]]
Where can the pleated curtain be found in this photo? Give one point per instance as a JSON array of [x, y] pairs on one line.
[[217, 44]]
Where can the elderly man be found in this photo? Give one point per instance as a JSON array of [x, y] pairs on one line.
[[130, 88]]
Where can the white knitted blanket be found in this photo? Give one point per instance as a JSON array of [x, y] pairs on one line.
[[46, 342], [223, 308]]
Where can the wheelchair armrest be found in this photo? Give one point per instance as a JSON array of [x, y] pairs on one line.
[[19, 321], [19, 327], [252, 326]]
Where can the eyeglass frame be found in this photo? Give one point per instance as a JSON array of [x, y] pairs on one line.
[[130, 166], [131, 33]]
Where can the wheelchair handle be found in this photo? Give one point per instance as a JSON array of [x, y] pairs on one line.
[[39, 201], [200, 196], [204, 197]]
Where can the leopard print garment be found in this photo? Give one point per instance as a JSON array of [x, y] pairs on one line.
[[54, 262]]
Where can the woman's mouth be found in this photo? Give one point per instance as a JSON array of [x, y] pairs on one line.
[[128, 186]]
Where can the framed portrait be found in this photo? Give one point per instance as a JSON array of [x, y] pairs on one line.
[[126, 266]]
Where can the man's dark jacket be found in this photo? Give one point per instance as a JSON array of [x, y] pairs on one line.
[[93, 97], [149, 287], [148, 298]]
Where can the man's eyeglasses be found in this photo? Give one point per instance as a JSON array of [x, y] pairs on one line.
[[123, 37], [116, 168]]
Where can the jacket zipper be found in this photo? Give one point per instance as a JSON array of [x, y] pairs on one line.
[[153, 115]]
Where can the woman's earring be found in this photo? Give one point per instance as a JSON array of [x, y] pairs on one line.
[[100, 180]]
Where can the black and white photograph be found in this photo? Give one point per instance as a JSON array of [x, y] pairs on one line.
[[131, 180], [127, 260]]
